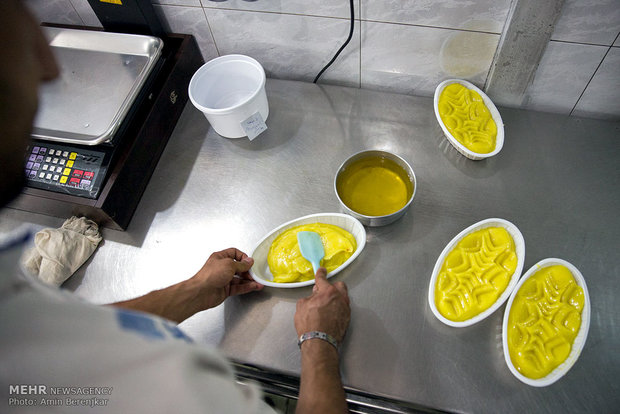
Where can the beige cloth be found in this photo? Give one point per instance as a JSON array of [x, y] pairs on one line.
[[58, 253]]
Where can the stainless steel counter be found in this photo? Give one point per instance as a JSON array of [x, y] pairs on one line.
[[557, 179]]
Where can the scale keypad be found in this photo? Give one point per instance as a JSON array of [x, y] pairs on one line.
[[63, 169]]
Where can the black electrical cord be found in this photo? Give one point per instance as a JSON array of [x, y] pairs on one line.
[[341, 47]]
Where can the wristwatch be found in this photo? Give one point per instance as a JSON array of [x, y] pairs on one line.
[[319, 335]]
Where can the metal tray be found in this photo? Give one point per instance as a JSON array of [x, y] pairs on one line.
[[101, 75]]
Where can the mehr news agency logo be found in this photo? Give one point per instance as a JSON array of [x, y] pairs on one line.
[[44, 396]]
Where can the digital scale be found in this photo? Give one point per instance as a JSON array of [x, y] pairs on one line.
[[102, 126]]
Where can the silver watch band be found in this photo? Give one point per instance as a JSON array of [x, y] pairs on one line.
[[319, 335]]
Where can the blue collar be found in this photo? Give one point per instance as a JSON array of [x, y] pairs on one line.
[[14, 239]]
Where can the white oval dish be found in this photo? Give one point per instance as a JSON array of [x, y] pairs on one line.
[[580, 339], [499, 140], [260, 270], [520, 251]]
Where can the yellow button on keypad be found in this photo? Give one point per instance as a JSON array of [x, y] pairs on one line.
[[66, 171], [73, 155], [70, 164], [63, 179]]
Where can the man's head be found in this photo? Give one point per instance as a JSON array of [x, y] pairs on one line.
[[25, 61]]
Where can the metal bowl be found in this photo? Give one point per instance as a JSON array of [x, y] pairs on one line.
[[375, 221]]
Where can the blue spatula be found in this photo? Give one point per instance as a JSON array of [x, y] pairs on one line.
[[311, 248]]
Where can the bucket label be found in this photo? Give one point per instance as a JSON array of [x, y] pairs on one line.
[[253, 125]]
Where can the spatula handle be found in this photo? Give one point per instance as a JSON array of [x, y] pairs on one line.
[[315, 267]]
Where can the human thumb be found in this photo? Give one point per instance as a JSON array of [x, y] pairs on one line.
[[244, 264]]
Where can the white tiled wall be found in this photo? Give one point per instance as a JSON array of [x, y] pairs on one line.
[[579, 73], [404, 46], [289, 46]]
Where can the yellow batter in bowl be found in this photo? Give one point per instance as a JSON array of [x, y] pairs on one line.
[[465, 115], [475, 273], [286, 263], [544, 321]]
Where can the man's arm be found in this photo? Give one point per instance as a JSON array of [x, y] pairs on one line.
[[326, 310], [224, 274]]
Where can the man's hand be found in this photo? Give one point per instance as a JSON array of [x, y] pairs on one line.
[[326, 310], [225, 274]]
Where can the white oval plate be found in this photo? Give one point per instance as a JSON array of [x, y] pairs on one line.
[[260, 270], [520, 250], [580, 339], [499, 140]]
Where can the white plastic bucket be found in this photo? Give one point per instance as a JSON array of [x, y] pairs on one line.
[[229, 90]]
